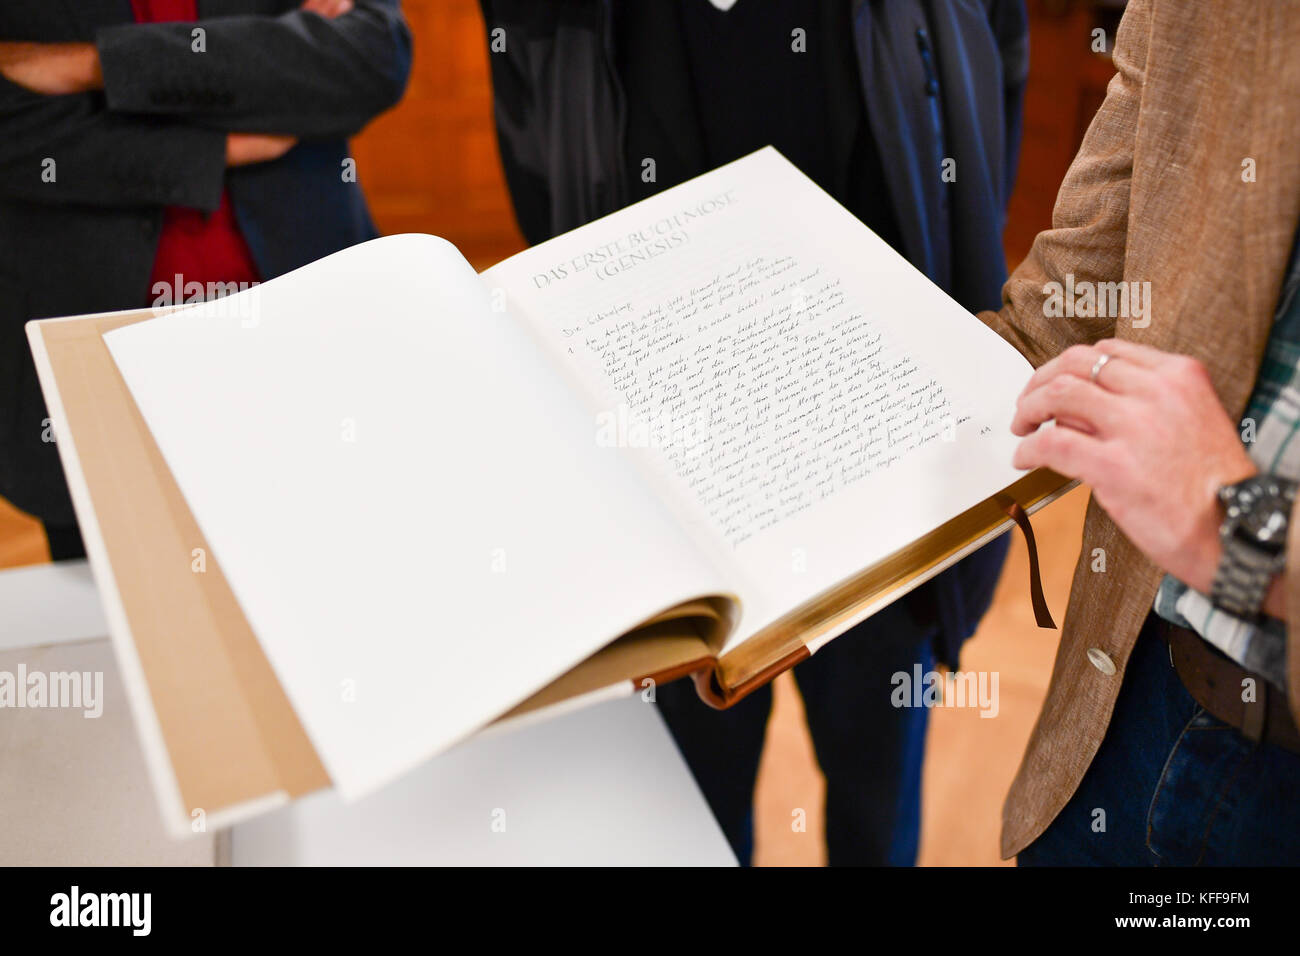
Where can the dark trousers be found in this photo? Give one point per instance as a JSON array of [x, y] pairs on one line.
[[869, 750], [65, 542], [1173, 786]]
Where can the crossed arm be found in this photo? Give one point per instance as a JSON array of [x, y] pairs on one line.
[[141, 116], [63, 69]]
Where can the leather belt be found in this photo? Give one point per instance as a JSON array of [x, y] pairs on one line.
[[1215, 682]]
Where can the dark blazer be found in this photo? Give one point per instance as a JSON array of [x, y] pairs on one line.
[[934, 79], [156, 137]]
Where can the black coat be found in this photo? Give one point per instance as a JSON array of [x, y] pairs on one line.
[[156, 137], [564, 132]]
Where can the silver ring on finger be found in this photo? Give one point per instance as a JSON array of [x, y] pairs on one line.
[[1097, 366]]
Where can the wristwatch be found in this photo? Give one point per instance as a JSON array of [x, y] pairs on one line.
[[1257, 513]]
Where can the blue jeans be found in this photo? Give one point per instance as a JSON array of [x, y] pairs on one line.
[[1174, 786], [869, 750]]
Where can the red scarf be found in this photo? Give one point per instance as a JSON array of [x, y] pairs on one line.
[[195, 245]]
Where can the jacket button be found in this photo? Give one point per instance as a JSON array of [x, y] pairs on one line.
[[1101, 660]]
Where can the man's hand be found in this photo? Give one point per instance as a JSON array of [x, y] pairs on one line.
[[244, 149], [329, 9], [1151, 438], [54, 69]]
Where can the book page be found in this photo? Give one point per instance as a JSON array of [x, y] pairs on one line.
[[405, 496], [807, 399]]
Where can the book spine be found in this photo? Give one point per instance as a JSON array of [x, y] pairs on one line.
[[704, 674]]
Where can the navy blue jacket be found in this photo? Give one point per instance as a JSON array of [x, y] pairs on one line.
[[935, 79], [86, 241]]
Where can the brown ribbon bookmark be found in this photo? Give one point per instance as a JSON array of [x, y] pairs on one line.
[[1017, 514], [704, 671]]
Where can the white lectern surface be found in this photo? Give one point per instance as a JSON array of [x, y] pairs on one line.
[[601, 785]]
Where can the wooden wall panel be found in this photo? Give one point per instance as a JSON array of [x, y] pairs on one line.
[[1067, 82], [431, 165]]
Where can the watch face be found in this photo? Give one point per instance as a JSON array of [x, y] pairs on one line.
[[1260, 508]]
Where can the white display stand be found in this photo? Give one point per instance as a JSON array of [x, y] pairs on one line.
[[44, 604], [603, 784]]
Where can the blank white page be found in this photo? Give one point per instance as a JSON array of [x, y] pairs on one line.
[[408, 501]]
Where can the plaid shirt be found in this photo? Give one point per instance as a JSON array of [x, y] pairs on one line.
[[1274, 417]]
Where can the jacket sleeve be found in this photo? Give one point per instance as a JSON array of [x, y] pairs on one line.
[[1090, 221], [515, 108], [1010, 22], [68, 149], [297, 74]]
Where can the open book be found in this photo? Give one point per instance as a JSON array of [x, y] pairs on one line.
[[348, 517]]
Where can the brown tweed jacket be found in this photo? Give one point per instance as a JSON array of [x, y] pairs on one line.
[[1188, 179]]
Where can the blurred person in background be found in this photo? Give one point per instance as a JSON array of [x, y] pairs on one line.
[[908, 113], [148, 145]]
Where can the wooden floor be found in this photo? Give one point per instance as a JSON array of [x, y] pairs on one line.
[[969, 761], [21, 539]]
